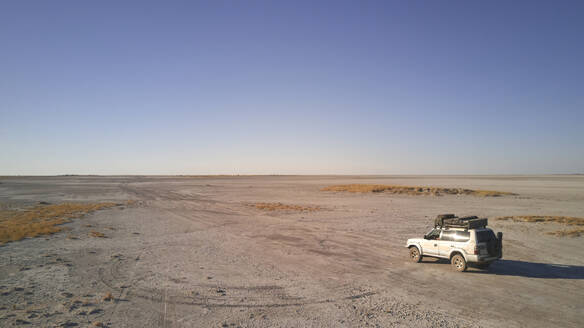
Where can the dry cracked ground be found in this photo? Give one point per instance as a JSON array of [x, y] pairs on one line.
[[277, 251]]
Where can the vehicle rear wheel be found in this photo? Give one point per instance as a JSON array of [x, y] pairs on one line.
[[415, 254], [458, 263]]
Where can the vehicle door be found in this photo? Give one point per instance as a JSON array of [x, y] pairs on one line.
[[430, 246], [446, 238], [486, 242], [453, 239]]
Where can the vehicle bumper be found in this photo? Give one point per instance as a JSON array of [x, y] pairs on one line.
[[481, 258]]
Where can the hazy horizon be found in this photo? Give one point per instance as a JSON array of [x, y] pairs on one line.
[[280, 88], [294, 175]]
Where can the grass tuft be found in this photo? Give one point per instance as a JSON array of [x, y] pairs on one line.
[[108, 297], [42, 219], [97, 234], [284, 207], [414, 190], [567, 220]]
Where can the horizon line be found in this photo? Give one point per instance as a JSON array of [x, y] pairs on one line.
[[276, 175]]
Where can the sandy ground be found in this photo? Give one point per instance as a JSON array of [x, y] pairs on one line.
[[191, 252]]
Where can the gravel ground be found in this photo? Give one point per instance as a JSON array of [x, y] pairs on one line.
[[191, 252]]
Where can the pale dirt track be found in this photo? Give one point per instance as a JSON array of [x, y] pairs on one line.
[[191, 253]]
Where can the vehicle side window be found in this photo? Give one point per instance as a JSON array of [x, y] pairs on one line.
[[447, 235], [462, 236], [434, 234]]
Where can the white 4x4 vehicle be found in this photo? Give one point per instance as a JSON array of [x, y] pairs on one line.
[[461, 240]]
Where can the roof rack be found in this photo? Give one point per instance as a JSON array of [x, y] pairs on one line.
[[452, 221]]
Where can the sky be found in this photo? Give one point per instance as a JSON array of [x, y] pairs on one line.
[[291, 87]]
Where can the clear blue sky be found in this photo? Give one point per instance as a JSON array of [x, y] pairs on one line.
[[246, 87]]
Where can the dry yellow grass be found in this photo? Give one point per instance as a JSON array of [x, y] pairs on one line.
[[570, 220], [42, 219], [97, 234], [284, 207], [414, 190], [567, 233], [567, 220]]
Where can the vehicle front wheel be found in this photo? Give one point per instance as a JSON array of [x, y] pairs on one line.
[[458, 263], [415, 254]]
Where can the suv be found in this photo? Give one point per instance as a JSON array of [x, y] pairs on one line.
[[461, 240]]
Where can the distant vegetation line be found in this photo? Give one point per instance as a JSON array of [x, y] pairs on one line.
[[415, 190]]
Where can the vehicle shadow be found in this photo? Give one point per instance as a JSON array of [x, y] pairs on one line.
[[533, 270]]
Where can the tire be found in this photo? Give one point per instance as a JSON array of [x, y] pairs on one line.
[[415, 254], [458, 263], [483, 265]]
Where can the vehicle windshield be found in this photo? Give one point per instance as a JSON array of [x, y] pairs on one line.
[[485, 236]]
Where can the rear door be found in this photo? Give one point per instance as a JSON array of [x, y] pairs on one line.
[[484, 239], [453, 239]]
